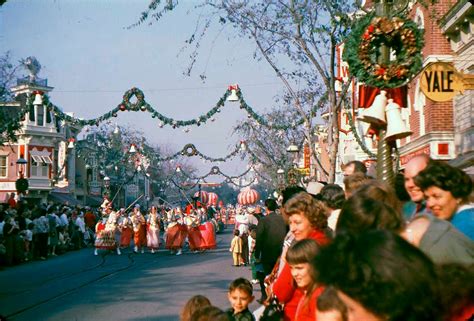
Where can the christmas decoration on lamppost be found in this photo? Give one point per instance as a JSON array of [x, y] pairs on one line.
[[21, 183]]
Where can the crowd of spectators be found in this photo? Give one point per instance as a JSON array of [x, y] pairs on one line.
[[36, 232]]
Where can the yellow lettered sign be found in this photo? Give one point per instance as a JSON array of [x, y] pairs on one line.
[[440, 81]]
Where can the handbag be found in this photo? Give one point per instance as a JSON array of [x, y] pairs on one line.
[[273, 310]]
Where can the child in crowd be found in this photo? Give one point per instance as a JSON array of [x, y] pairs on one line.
[[28, 239], [236, 248], [329, 307], [240, 296], [195, 303], [252, 240]]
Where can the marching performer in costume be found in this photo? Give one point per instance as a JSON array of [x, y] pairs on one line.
[[139, 230], [153, 230], [126, 228], [176, 232], [105, 233], [194, 233], [208, 231]]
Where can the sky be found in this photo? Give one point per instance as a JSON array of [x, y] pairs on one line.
[[91, 59]]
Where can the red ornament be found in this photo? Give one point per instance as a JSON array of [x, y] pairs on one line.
[[380, 71], [370, 29], [122, 107]]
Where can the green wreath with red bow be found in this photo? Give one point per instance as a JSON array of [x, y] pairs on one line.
[[139, 104], [361, 51]]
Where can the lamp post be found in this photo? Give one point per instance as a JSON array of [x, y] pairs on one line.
[[384, 149], [21, 183], [107, 185], [293, 171], [281, 178]]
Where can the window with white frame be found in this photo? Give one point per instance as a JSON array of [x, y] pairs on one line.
[[46, 159], [38, 168], [3, 166], [40, 115]]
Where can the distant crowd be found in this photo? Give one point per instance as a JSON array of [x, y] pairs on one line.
[[36, 232]]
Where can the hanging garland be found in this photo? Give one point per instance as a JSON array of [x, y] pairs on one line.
[[141, 104], [361, 51]]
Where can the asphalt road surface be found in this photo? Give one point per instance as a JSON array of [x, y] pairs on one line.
[[80, 286]]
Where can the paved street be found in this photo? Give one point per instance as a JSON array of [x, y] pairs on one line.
[[139, 287]]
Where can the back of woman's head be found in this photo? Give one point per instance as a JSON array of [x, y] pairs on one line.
[[195, 303], [382, 192], [305, 204], [388, 276], [333, 196], [361, 213], [456, 284]]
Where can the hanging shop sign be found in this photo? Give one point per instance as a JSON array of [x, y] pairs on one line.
[[440, 81]]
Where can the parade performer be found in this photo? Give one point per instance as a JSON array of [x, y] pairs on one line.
[[105, 236], [208, 234], [176, 232], [139, 230], [112, 227], [194, 234], [126, 228], [153, 230]]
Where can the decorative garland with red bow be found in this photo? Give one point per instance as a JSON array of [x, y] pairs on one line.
[[402, 36]]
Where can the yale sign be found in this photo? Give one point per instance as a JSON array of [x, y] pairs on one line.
[[440, 81]]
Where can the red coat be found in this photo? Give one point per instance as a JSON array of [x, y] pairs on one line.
[[284, 287]]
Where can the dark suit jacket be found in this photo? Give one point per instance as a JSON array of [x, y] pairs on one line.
[[271, 231]]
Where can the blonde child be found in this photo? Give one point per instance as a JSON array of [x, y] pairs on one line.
[[240, 296], [236, 248]]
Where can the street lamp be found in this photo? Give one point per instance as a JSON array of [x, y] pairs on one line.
[[21, 183], [293, 172], [293, 149], [107, 182], [21, 162]]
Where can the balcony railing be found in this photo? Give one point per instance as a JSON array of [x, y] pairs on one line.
[[32, 81]]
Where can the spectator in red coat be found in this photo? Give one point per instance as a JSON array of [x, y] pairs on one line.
[[307, 220], [12, 201], [299, 258]]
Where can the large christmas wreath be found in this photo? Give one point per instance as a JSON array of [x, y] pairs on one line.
[[189, 150], [139, 104], [361, 51]]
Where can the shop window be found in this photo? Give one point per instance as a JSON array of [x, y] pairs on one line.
[[3, 166], [38, 167]]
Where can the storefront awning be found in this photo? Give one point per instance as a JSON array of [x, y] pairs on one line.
[[63, 198], [94, 201]]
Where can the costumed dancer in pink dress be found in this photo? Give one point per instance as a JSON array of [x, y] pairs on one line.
[[176, 232], [139, 230], [153, 230]]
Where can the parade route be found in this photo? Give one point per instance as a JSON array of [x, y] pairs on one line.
[[81, 286]]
